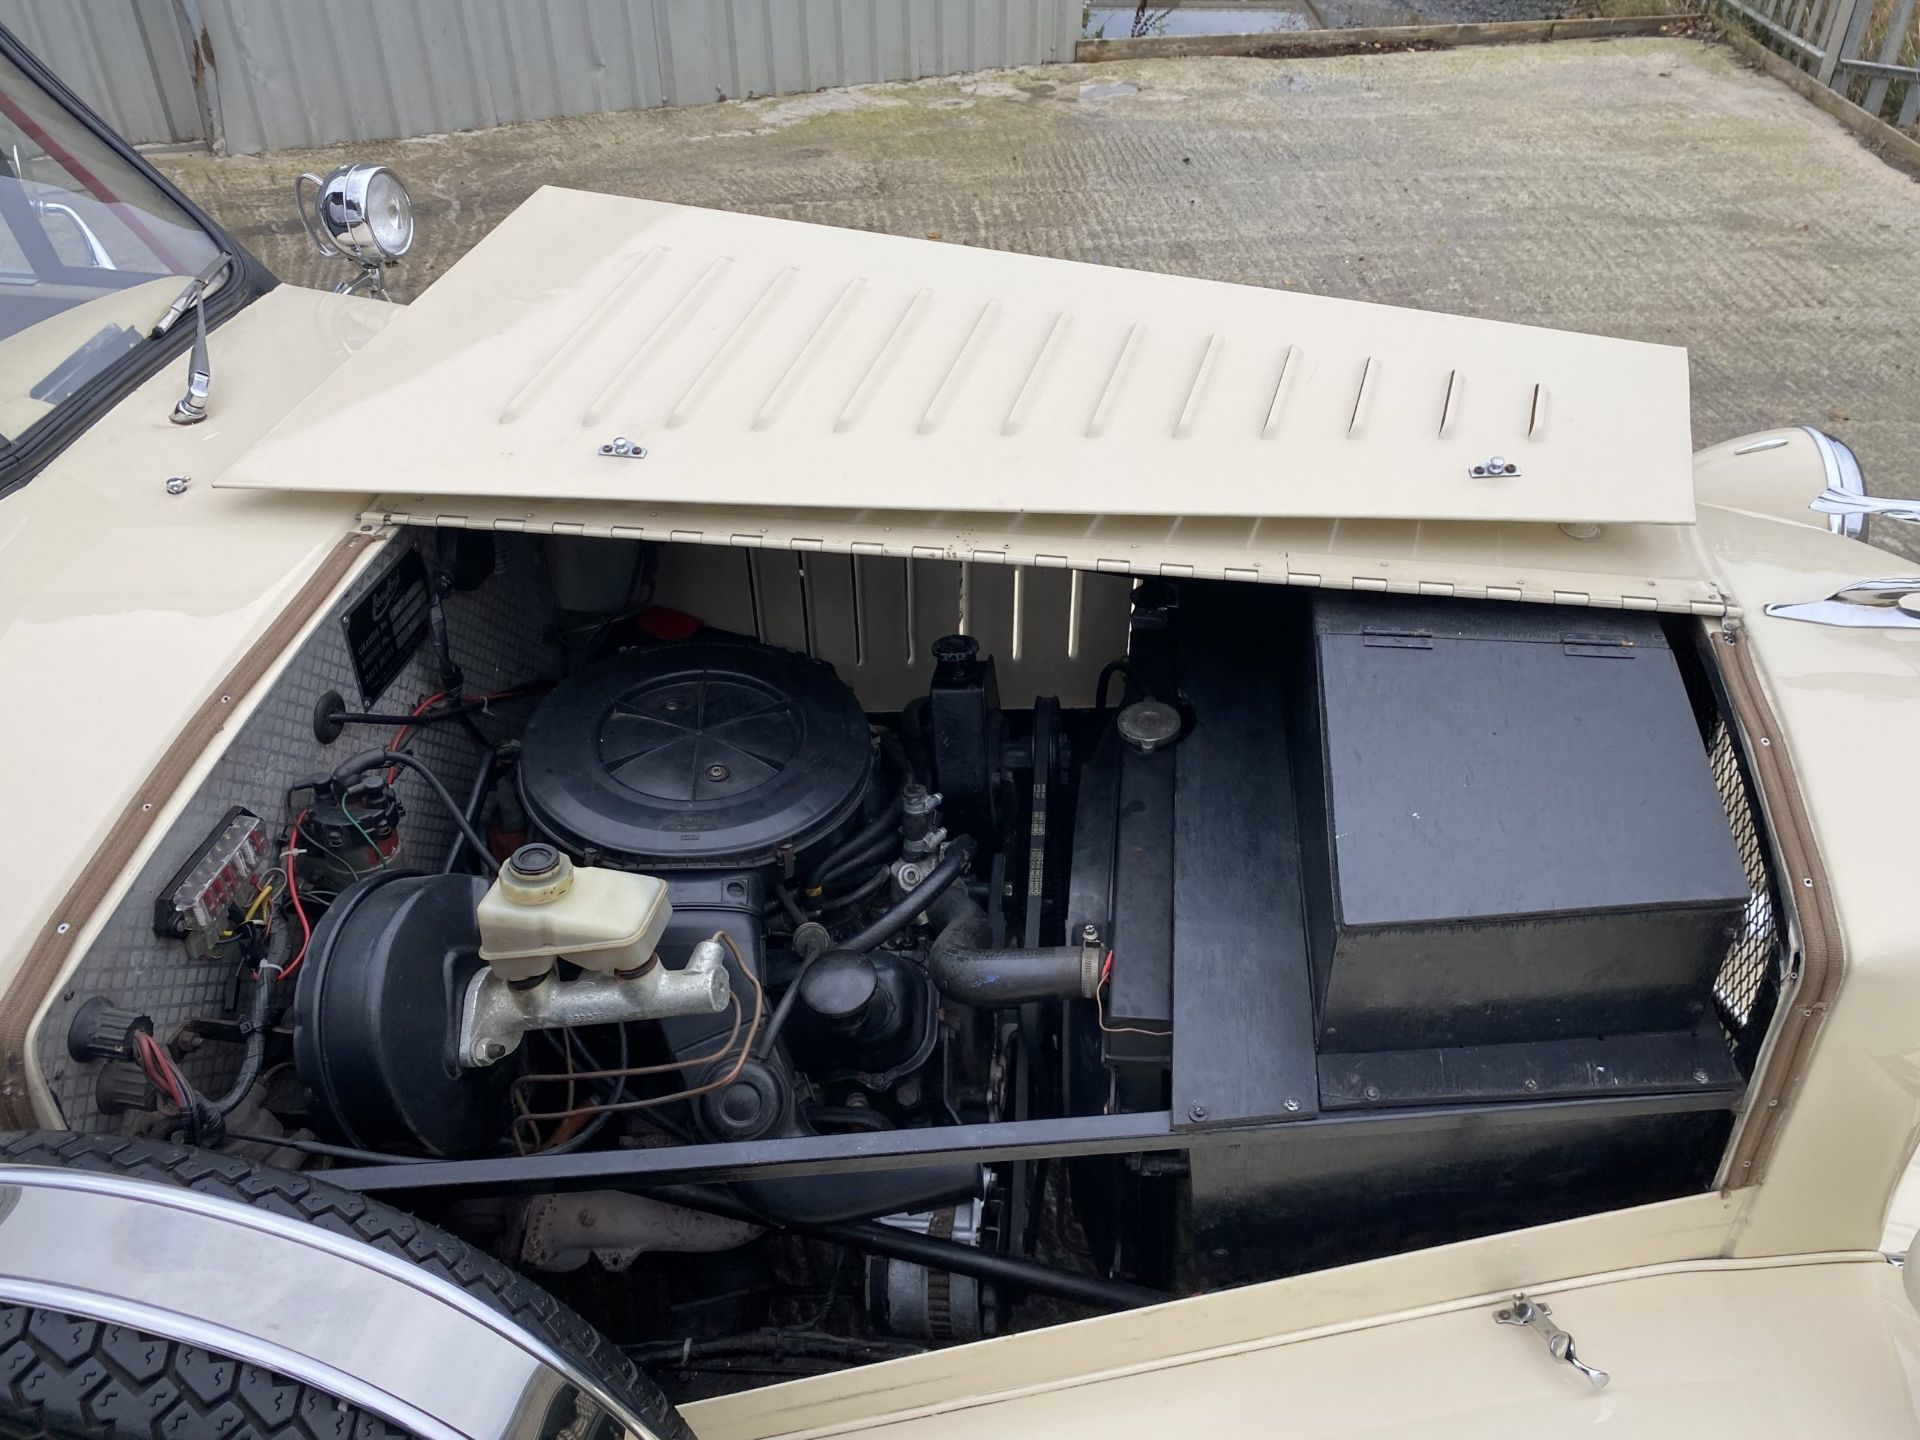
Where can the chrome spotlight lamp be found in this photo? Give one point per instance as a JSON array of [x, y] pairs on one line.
[[360, 212]]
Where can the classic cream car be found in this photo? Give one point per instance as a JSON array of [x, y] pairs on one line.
[[1150, 854]]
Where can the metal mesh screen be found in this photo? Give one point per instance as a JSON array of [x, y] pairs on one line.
[[1748, 982]]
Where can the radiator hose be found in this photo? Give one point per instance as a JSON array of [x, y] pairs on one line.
[[966, 967]]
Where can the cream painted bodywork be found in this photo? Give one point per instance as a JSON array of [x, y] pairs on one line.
[[1766, 473], [766, 362], [28, 356], [1816, 1345], [122, 608]]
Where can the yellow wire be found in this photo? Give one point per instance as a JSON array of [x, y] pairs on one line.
[[266, 891]]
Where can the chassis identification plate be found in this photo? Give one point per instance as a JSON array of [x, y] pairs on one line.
[[386, 625]]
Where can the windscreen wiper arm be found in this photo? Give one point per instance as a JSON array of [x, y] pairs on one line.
[[191, 295], [191, 408]]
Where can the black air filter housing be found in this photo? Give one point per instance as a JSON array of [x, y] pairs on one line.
[[704, 754]]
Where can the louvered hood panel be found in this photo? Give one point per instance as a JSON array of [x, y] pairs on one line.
[[769, 362]]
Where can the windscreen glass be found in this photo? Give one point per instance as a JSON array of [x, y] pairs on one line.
[[92, 253]]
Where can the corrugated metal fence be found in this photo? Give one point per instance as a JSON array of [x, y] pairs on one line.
[[251, 75], [1868, 50]]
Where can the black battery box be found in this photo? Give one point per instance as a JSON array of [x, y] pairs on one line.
[[1510, 829]]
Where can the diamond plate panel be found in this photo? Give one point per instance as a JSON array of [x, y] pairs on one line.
[[503, 634]]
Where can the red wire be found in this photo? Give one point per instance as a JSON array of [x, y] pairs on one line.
[[153, 1060], [293, 894], [427, 704], [405, 730]]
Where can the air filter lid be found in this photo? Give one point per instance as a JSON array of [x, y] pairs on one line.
[[697, 754]]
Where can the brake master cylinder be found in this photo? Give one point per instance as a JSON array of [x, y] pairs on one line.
[[543, 909]]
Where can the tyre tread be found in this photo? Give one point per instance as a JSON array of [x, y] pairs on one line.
[[342, 1212]]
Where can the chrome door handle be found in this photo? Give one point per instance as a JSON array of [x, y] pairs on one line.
[[1533, 1314]]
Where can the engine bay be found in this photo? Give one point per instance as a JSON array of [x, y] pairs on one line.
[[800, 960]]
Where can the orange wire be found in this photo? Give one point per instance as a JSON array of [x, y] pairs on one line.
[[1100, 1010], [293, 894]]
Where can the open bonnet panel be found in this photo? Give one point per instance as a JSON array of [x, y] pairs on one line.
[[749, 361], [1251, 885]]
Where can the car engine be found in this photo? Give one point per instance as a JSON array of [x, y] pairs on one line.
[[1304, 927]]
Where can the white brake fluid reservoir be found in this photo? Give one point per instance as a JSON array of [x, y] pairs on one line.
[[542, 908]]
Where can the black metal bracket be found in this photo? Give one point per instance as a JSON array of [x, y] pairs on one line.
[[331, 716], [651, 1169]]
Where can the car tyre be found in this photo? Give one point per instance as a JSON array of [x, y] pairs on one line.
[[65, 1377]]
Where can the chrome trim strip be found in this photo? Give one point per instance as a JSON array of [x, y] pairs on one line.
[[1850, 505], [170, 1222], [1889, 603], [1843, 473], [1846, 615]]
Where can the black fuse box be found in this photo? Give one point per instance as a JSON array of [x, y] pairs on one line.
[[1510, 829]]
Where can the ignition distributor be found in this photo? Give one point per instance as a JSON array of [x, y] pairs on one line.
[[351, 828]]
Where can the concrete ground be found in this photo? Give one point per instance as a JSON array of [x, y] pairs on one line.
[[1653, 188]]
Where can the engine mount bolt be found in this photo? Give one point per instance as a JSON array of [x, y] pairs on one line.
[[491, 1050]]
